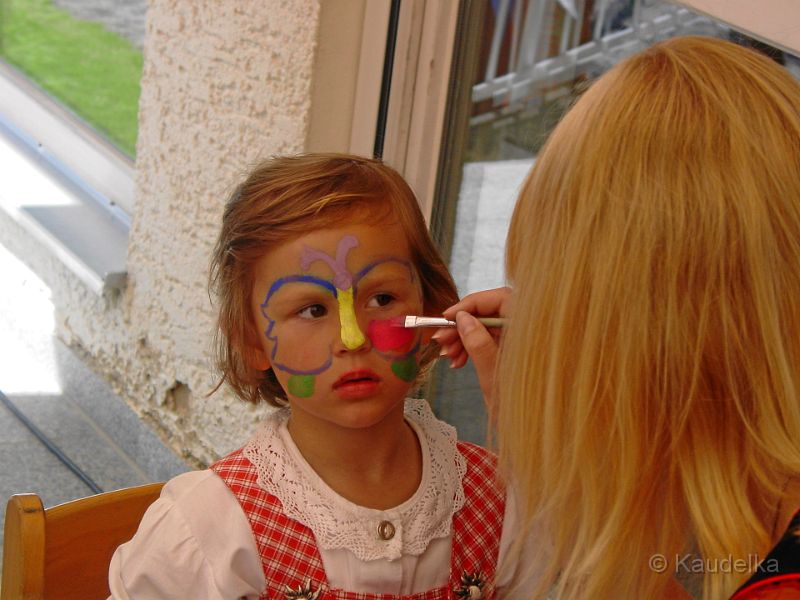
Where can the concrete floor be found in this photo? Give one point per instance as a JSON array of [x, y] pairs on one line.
[[53, 388]]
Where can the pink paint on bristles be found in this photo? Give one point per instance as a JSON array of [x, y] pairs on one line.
[[390, 334]]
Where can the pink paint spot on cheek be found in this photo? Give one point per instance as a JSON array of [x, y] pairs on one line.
[[386, 335]]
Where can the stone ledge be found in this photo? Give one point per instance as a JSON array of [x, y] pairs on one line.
[[61, 214]]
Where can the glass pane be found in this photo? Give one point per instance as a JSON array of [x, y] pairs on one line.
[[85, 53], [536, 57]]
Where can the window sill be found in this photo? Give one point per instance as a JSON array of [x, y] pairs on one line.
[[72, 221]]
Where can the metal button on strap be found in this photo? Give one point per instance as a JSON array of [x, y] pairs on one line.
[[385, 530]]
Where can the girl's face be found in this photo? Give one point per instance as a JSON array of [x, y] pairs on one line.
[[325, 305]]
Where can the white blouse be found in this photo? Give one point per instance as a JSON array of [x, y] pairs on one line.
[[195, 541]]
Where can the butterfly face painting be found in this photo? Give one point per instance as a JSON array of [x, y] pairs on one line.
[[327, 305]]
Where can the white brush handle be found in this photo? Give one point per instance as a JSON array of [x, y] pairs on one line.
[[412, 322]]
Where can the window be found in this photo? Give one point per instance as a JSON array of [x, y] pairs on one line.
[[529, 59], [70, 85]]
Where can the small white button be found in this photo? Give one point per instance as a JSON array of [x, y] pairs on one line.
[[385, 530]]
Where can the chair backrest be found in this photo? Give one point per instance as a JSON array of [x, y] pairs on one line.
[[64, 551]]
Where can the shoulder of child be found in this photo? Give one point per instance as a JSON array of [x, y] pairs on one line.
[[481, 468], [181, 546], [471, 450]]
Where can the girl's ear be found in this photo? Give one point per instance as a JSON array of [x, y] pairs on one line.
[[257, 358]]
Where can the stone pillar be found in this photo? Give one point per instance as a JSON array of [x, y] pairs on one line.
[[225, 84]]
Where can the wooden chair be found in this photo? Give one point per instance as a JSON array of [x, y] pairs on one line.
[[64, 551]]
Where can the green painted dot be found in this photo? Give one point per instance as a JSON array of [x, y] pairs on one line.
[[406, 369], [301, 386]]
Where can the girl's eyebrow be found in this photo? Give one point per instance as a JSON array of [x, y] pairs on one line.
[[300, 297], [381, 281], [391, 260], [279, 283]]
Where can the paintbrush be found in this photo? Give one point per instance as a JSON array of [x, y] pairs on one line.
[[411, 321]]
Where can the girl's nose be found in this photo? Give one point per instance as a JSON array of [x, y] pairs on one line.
[[351, 335], [357, 343]]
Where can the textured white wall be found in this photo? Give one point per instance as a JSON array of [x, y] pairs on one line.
[[225, 83]]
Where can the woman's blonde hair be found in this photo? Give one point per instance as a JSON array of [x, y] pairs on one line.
[[286, 197], [649, 377]]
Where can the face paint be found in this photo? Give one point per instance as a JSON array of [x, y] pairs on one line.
[[307, 311], [352, 336], [325, 358], [397, 344], [386, 336], [301, 386], [406, 369]]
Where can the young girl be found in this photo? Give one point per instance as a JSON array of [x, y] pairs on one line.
[[349, 490]]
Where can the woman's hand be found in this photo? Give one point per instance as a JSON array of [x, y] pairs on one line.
[[471, 339]]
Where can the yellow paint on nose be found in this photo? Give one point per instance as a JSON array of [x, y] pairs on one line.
[[352, 337]]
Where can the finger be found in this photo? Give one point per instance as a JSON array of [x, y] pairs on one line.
[[445, 336], [455, 355], [482, 349], [459, 360], [450, 351]]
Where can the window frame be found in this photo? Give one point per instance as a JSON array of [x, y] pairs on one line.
[[766, 22], [67, 143]]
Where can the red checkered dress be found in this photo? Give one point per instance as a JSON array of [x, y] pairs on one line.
[[289, 551]]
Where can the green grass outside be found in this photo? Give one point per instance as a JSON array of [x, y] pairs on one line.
[[94, 72]]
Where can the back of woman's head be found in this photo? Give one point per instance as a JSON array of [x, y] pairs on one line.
[[650, 374]]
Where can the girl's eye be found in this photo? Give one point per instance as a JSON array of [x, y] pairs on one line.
[[315, 311], [379, 300]]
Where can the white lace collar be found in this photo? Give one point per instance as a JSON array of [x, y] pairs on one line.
[[337, 522]]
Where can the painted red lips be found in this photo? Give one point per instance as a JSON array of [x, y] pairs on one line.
[[357, 384]]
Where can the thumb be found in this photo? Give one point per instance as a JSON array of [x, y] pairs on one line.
[[482, 349]]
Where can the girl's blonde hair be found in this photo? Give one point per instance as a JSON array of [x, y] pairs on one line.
[[289, 196], [649, 376]]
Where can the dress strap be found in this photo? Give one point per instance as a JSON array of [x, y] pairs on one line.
[[779, 573], [288, 549], [477, 527]]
